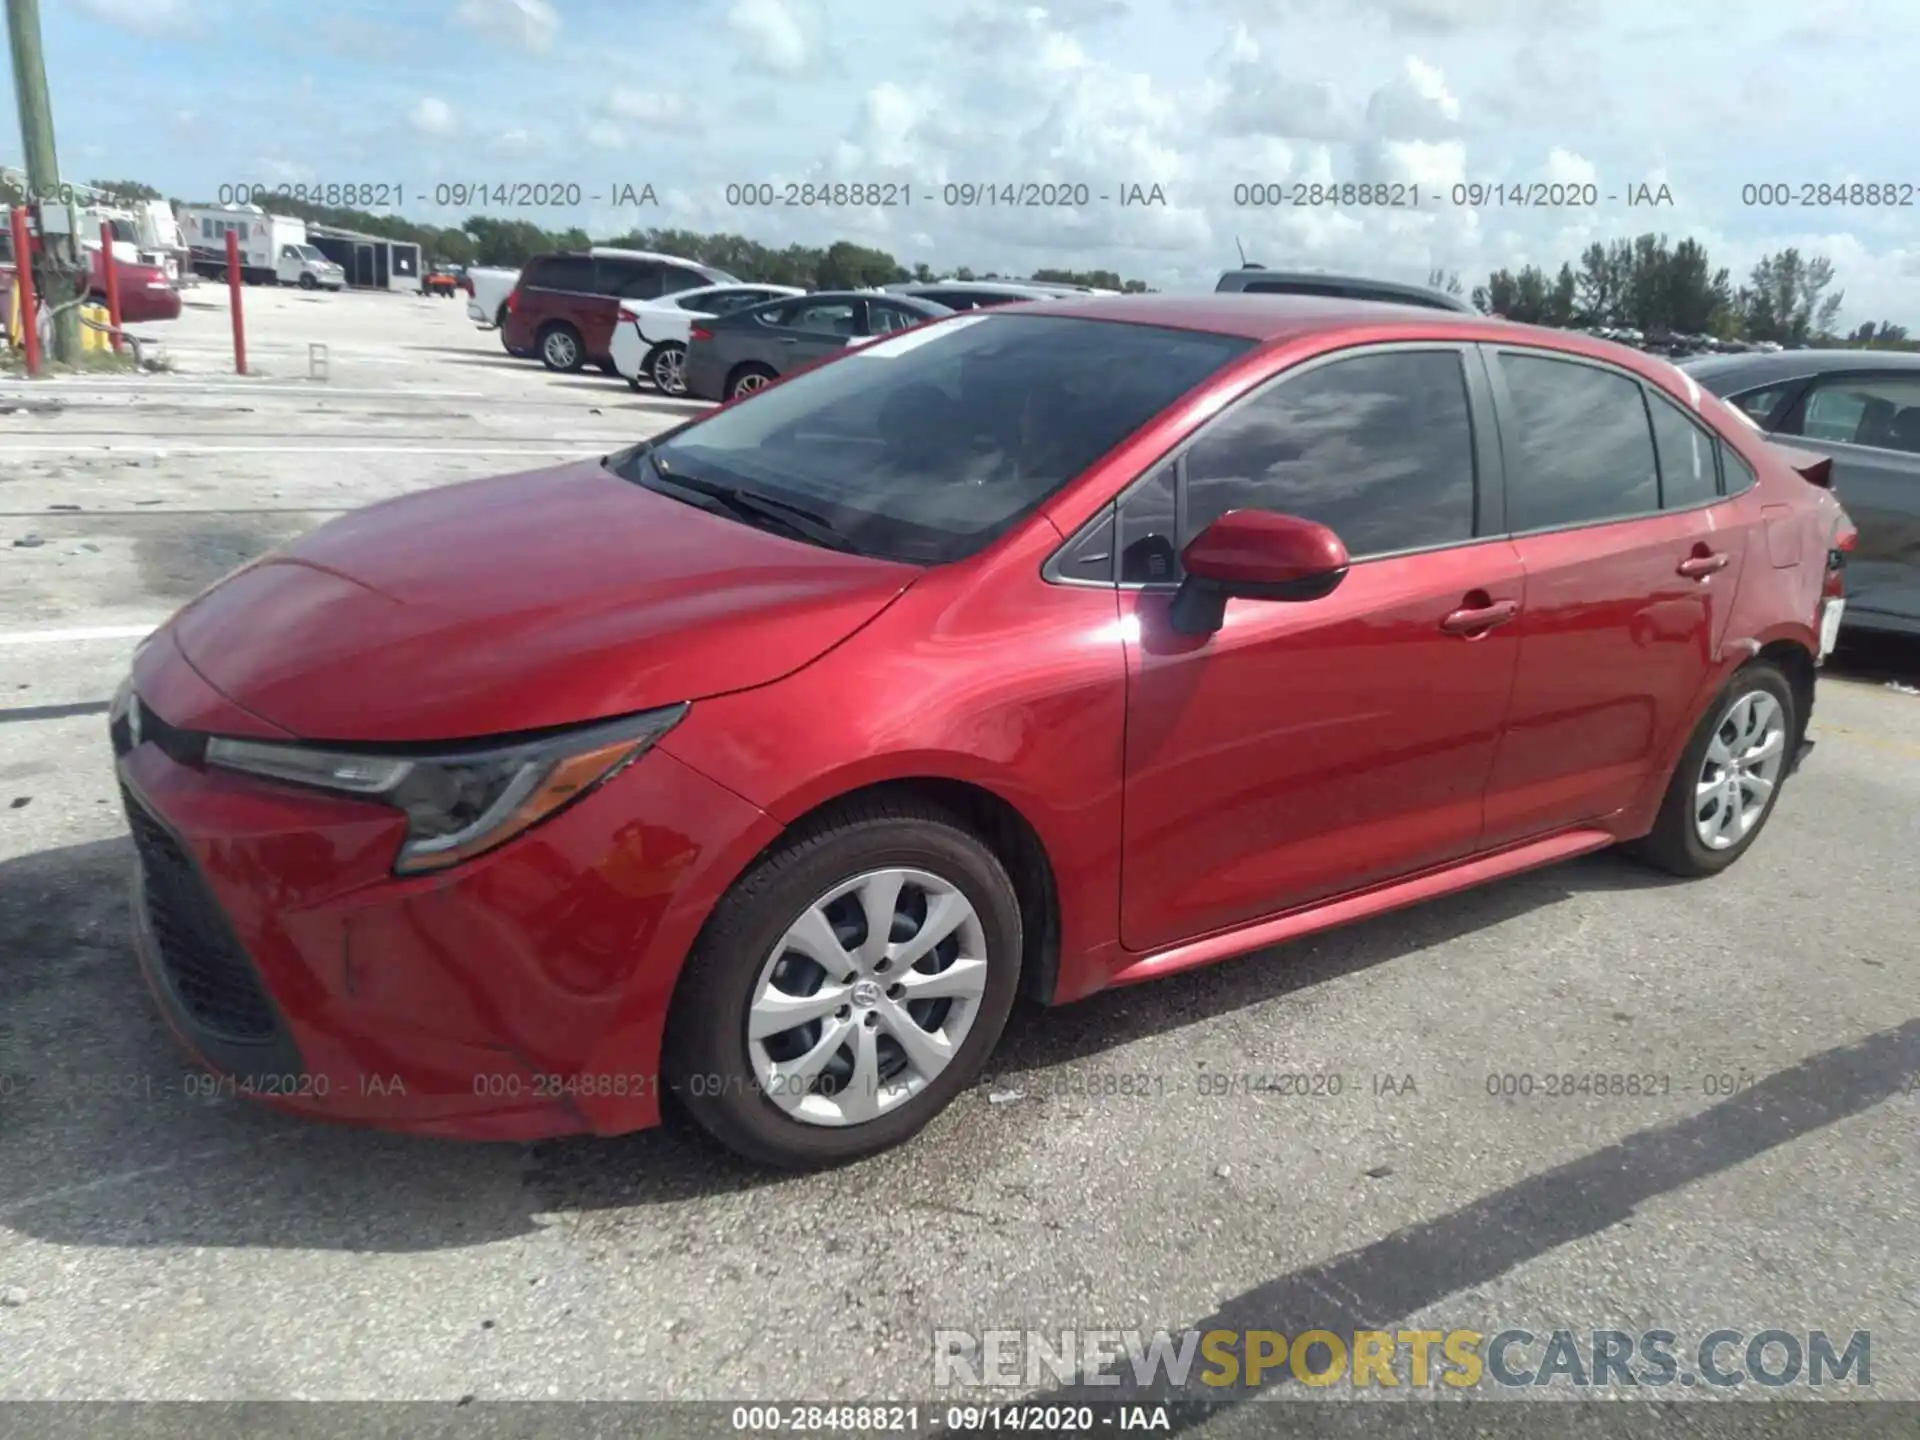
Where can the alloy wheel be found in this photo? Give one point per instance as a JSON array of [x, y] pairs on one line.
[[750, 382], [560, 350], [1742, 766], [867, 997], [669, 371]]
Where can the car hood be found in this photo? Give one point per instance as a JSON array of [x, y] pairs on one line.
[[518, 603]]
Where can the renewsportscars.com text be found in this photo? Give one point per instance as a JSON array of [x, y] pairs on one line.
[[1214, 1360]]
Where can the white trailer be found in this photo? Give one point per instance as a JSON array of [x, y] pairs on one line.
[[274, 249]]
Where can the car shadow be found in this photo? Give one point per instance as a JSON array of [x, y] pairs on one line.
[[1878, 659], [106, 1137]]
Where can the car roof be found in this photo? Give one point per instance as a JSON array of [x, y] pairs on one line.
[[987, 287], [1234, 282], [1725, 373], [1280, 317]]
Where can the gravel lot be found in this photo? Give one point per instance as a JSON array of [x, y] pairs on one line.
[[155, 1246]]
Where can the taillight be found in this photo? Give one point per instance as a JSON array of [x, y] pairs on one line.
[[697, 333], [513, 302], [627, 312], [1845, 537]]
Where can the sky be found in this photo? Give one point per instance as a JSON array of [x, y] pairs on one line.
[[1196, 97]]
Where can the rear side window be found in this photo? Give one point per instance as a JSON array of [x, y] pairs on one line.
[[571, 273], [1688, 475], [675, 278], [1581, 451], [1378, 447]]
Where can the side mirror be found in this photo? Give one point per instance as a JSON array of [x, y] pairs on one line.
[[1254, 555]]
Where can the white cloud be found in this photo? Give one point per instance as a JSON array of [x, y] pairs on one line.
[[529, 24], [773, 35], [1417, 105], [432, 116], [143, 17], [1564, 167], [654, 111], [605, 135]]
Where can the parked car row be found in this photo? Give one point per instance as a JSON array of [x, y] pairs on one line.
[[146, 292]]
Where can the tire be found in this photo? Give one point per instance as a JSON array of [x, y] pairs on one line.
[[560, 348], [709, 1060], [665, 365], [747, 379], [307, 282], [1676, 843]]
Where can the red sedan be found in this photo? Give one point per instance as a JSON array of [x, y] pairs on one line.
[[146, 294], [1022, 653]]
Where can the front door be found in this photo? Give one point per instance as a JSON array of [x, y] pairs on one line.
[[1632, 558], [1307, 749], [810, 330]]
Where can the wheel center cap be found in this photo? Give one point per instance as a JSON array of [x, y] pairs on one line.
[[866, 993]]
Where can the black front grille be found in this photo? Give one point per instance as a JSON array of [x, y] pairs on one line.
[[209, 973]]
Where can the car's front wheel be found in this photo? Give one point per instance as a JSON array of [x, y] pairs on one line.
[[848, 987], [1729, 777], [747, 380]]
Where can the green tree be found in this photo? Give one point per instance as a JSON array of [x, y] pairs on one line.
[[126, 189], [1785, 299]]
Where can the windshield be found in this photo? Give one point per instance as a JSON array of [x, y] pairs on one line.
[[926, 446], [308, 252], [123, 230]]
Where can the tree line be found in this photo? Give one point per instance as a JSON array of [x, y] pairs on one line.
[[1660, 288], [1647, 283]]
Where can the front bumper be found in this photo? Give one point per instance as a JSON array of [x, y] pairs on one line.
[[521, 995]]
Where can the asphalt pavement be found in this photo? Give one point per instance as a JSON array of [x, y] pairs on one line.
[[1142, 1161]]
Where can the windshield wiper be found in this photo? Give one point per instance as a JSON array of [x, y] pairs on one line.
[[757, 509]]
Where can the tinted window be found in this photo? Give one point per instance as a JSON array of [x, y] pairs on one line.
[[1149, 525], [1878, 410], [1759, 404], [1687, 473], [928, 445], [675, 278], [725, 302], [1288, 287], [1582, 447], [629, 279], [952, 299], [1379, 447], [572, 273]]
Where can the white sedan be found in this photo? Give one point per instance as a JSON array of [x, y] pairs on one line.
[[650, 337]]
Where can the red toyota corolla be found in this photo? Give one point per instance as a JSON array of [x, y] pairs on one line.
[[1027, 652]]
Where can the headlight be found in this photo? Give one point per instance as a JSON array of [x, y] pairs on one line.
[[461, 803]]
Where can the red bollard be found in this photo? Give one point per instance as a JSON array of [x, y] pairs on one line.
[[233, 294], [113, 282], [23, 284]]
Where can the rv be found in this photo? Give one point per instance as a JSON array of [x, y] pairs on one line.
[[274, 249]]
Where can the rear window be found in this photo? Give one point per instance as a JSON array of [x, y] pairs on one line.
[[927, 446], [572, 273]]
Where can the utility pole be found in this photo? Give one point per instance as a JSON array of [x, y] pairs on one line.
[[43, 172]]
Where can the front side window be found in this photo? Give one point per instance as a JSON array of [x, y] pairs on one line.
[[1379, 448], [830, 317], [1688, 472], [927, 445], [1582, 448], [1882, 411], [883, 319]]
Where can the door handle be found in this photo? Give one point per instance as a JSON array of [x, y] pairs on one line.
[[1478, 619], [789, 339], [1698, 567]]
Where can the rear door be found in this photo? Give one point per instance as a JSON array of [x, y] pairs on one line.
[[1869, 422], [1632, 557], [1309, 749]]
